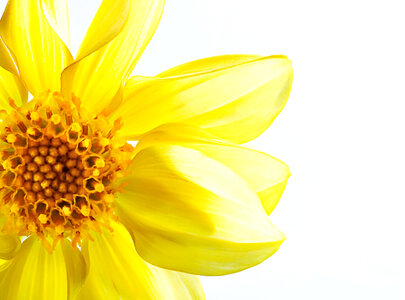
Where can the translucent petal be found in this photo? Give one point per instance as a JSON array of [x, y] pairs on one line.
[[265, 174], [190, 213], [209, 64], [4, 264], [6, 61], [234, 97], [36, 274], [9, 245], [57, 15], [11, 87], [39, 52], [113, 44], [117, 272]]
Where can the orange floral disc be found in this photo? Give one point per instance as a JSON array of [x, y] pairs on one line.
[[57, 170]]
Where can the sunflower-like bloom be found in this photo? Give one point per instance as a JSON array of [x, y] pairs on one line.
[[83, 213]]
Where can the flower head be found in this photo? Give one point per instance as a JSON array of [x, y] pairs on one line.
[[85, 215]]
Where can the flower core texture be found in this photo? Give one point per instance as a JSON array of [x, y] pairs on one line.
[[58, 167]]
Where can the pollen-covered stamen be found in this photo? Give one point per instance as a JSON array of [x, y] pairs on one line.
[[57, 169], [34, 133]]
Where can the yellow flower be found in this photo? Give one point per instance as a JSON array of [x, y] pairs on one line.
[[83, 214]]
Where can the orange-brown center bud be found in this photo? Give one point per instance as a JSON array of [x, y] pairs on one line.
[[57, 169]]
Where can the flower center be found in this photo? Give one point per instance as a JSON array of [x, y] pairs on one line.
[[58, 168]]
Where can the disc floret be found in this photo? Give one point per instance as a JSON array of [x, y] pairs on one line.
[[58, 166]]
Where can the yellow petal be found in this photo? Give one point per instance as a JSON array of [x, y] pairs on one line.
[[4, 264], [6, 61], [265, 174], [10, 84], [35, 274], [9, 245], [57, 15], [117, 272], [234, 97], [190, 213], [113, 44], [11, 87], [39, 52], [209, 64]]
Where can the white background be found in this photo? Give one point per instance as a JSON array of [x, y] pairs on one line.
[[342, 133]]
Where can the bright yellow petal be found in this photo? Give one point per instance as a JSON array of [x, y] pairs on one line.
[[209, 64], [39, 52], [117, 272], [11, 87], [114, 43], [6, 61], [9, 245], [234, 97], [4, 264], [57, 15], [190, 213], [265, 174], [10, 84], [35, 274]]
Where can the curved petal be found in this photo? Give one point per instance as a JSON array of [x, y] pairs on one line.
[[38, 51], [10, 84], [233, 97], [209, 64], [117, 272], [11, 87], [4, 264], [113, 44], [9, 245], [57, 15], [265, 174], [36, 274], [6, 61], [190, 213]]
